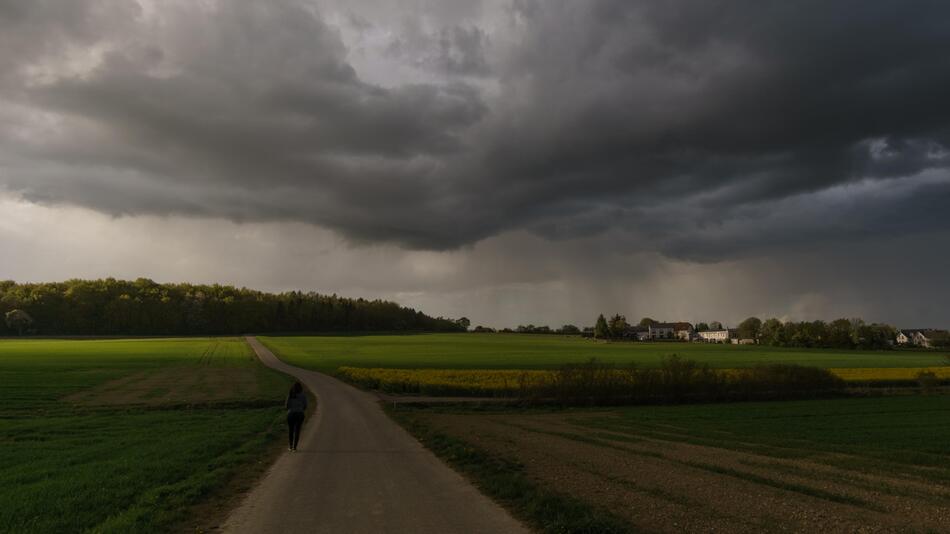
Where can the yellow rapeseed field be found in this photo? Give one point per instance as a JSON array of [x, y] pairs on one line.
[[444, 381], [874, 374]]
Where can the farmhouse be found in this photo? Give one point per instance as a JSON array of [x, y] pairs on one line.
[[662, 330], [905, 337], [922, 337], [736, 340], [715, 336], [683, 331]]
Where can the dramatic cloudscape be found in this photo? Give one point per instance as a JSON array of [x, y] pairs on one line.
[[512, 161]]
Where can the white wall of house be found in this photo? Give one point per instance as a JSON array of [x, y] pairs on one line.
[[661, 332], [921, 339], [714, 335]]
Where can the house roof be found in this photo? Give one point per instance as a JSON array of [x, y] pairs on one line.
[[933, 332], [679, 325], [926, 332]]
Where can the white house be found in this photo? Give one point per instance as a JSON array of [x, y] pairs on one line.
[[683, 331], [905, 336], [921, 337], [929, 338], [714, 336], [662, 330]]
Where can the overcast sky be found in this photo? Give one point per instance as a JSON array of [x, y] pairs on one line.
[[513, 161]]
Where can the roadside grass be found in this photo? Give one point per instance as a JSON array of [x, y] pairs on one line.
[[505, 481], [525, 351], [93, 443]]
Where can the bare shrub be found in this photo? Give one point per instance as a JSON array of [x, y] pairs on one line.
[[592, 382], [784, 381], [681, 380], [928, 381]]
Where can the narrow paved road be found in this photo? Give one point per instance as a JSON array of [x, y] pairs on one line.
[[356, 471]]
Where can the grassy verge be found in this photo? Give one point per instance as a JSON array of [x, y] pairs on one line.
[[505, 481]]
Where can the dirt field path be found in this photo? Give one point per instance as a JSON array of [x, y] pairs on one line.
[[358, 472]]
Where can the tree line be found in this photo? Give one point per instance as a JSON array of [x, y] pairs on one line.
[[144, 307], [566, 330], [837, 334]]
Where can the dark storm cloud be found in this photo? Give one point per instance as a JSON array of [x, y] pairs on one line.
[[701, 130], [455, 50]]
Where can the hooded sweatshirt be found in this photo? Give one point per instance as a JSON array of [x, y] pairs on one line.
[[296, 403]]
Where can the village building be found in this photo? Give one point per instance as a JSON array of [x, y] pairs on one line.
[[683, 331], [662, 330], [905, 337], [736, 340], [714, 336], [922, 337]]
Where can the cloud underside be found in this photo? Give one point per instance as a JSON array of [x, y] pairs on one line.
[[703, 132]]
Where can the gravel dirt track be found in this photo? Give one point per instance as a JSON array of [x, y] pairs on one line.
[[358, 472]]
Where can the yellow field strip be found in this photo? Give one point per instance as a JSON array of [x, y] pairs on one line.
[[872, 374], [488, 381], [444, 379]]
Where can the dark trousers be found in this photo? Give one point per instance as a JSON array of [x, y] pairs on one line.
[[294, 423]]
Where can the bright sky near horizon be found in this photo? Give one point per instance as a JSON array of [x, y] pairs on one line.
[[512, 161]]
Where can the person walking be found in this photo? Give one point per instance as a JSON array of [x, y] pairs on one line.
[[296, 407]]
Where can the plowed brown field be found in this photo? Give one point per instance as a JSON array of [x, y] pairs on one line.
[[677, 477]]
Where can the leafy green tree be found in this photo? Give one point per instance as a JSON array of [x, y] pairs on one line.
[[601, 330], [702, 327], [18, 320], [464, 322], [569, 329], [715, 325], [647, 321], [770, 332], [617, 326], [749, 329], [839, 334]]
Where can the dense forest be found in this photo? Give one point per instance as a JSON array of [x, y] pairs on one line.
[[144, 307]]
